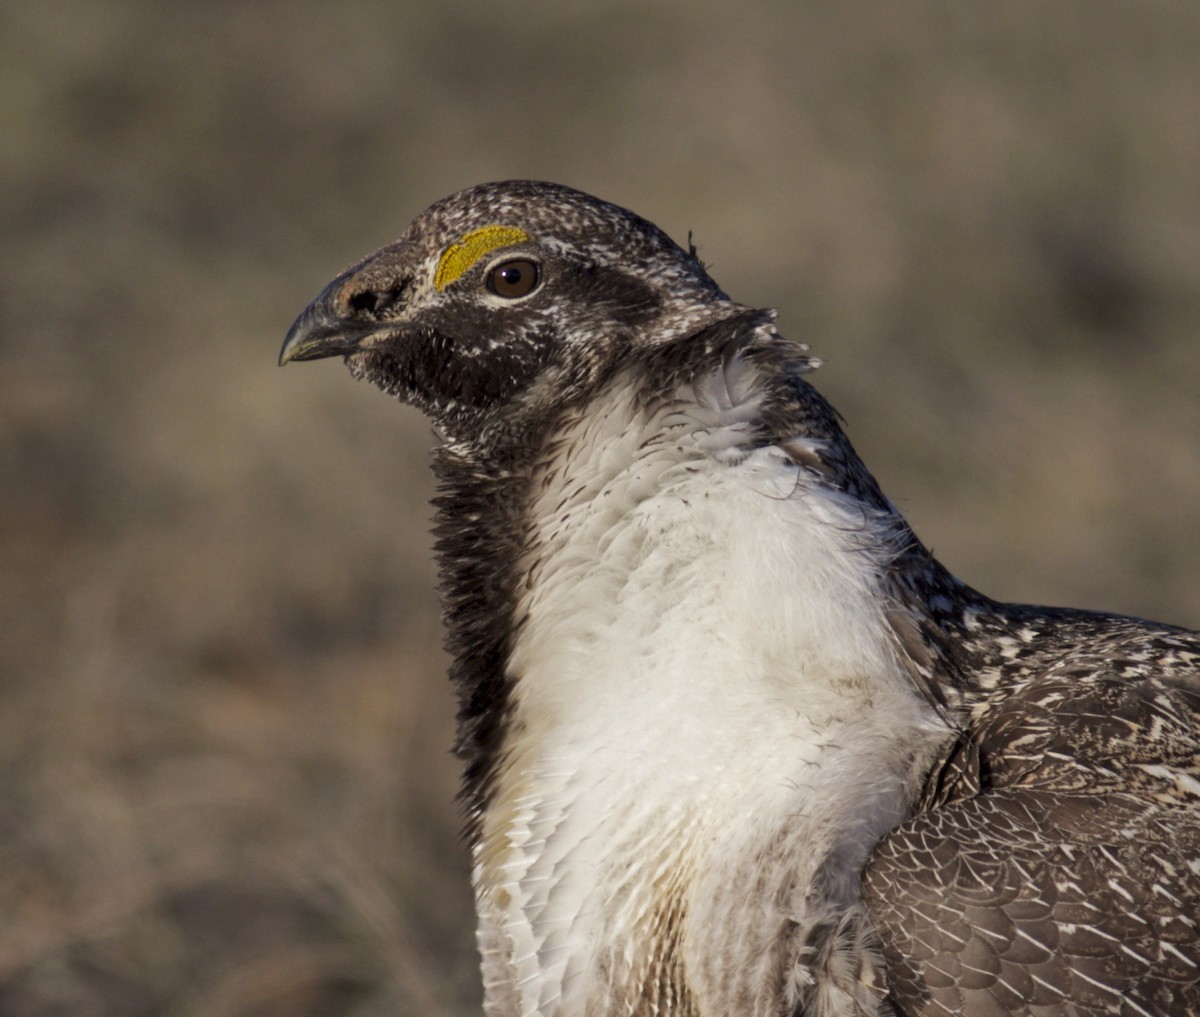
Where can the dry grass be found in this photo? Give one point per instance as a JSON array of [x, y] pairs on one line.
[[224, 787]]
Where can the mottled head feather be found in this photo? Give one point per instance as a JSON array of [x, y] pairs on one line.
[[419, 319]]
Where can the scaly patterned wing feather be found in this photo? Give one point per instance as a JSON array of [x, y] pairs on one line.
[[1054, 868]]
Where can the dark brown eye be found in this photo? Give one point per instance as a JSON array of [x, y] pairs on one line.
[[515, 278]]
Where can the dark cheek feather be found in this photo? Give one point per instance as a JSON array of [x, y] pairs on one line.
[[617, 297], [389, 373], [437, 373]]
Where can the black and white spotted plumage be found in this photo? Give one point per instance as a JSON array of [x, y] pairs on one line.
[[734, 742], [1053, 867]]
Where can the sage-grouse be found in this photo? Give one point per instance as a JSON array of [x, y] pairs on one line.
[[735, 743]]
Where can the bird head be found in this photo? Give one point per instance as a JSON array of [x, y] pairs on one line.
[[506, 298]]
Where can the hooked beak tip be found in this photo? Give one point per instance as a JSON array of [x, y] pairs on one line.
[[318, 333]]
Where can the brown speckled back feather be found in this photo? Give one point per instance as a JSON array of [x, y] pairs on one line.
[[1053, 868]]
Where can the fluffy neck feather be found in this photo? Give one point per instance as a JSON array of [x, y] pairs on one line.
[[700, 668]]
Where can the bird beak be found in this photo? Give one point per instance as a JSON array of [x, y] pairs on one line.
[[321, 331]]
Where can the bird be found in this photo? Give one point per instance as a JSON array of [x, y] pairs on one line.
[[734, 742]]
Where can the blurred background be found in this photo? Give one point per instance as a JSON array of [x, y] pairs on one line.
[[225, 786]]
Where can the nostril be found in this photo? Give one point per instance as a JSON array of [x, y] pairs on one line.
[[377, 303], [364, 303]]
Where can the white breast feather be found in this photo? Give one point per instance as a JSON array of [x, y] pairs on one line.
[[708, 711]]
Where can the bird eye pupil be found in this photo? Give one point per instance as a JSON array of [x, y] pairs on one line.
[[515, 278]]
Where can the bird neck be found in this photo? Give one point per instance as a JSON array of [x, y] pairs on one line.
[[732, 398], [689, 606]]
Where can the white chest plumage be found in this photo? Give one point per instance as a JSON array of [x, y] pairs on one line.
[[711, 727]]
